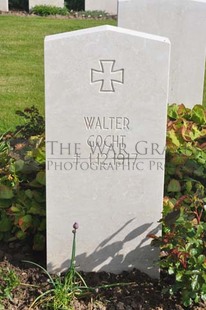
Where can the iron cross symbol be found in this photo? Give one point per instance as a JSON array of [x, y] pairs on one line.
[[107, 76]]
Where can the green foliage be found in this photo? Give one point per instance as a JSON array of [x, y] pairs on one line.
[[76, 5], [184, 214], [8, 282], [184, 241], [46, 10], [22, 54], [22, 201], [22, 185], [34, 123]]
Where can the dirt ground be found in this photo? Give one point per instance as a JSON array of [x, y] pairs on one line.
[[142, 292]]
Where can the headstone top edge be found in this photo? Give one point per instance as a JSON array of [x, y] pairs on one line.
[[202, 1], [124, 1], [106, 28], [130, 1]]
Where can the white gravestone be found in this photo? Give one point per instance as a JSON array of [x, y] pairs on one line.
[[57, 3], [4, 5], [109, 6], [184, 23], [106, 102]]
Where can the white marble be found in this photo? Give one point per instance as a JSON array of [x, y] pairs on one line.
[[109, 6], [57, 3], [184, 23], [106, 99], [4, 5]]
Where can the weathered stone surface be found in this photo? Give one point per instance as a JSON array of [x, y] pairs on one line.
[[106, 102], [109, 6], [4, 5], [57, 3], [184, 23]]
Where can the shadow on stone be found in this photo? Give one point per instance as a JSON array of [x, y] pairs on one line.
[[109, 255]]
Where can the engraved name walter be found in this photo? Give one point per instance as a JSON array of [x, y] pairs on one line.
[[107, 76]]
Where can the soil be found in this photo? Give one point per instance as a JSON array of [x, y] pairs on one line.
[[141, 293]]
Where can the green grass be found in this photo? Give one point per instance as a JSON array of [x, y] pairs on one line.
[[22, 61], [22, 64]]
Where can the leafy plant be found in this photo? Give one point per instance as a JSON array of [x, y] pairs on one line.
[[34, 123], [184, 213], [46, 10], [22, 184], [8, 282], [184, 241]]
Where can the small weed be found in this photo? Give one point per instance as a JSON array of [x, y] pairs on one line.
[[8, 282], [65, 290]]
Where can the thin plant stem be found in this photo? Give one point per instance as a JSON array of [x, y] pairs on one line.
[[72, 264]]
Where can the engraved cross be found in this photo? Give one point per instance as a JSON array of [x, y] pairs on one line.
[[107, 76]]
